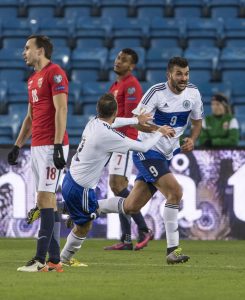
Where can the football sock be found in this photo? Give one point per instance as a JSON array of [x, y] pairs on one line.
[[54, 247], [73, 244], [140, 221], [125, 221], [111, 205], [170, 216], [45, 233]]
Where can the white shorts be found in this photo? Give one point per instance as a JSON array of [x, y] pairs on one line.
[[46, 175], [121, 164]]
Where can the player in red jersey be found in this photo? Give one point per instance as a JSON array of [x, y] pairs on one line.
[[46, 123], [128, 93]]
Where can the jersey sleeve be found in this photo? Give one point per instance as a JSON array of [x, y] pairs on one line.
[[58, 81], [148, 103], [197, 110], [132, 93]]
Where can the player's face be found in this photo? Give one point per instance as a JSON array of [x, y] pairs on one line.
[[217, 108], [31, 53], [123, 64], [178, 78]]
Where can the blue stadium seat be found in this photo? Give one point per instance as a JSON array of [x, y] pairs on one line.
[[75, 127], [78, 8], [17, 113], [134, 31], [207, 109], [95, 58], [224, 8], [3, 90], [239, 112], [204, 32], [203, 63], [208, 89], [85, 74], [93, 32], [61, 56], [12, 58], [92, 91], [149, 9], [12, 74], [6, 132], [17, 92], [156, 76], [89, 109], [75, 92], [187, 8], [7, 12], [117, 9], [234, 32], [238, 92], [157, 58], [167, 31], [146, 85]]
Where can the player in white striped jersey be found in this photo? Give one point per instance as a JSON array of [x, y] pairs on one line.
[[172, 103], [99, 141]]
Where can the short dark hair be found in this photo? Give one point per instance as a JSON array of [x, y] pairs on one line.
[[221, 98], [106, 106], [42, 41], [132, 53], [177, 61]]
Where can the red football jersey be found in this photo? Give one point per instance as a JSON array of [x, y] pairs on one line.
[[42, 86], [128, 93]]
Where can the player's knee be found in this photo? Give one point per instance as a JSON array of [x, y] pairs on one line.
[[130, 208]]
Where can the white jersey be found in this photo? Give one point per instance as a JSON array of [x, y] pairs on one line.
[[170, 109], [99, 141]]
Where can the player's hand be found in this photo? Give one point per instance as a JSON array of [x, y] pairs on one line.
[[13, 155], [188, 145], [167, 131], [143, 118], [58, 157]]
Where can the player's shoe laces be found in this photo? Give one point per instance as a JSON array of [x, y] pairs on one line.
[[33, 266], [73, 263], [33, 215], [55, 267], [120, 246], [176, 257], [144, 238]]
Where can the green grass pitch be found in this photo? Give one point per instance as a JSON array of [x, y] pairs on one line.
[[216, 271]]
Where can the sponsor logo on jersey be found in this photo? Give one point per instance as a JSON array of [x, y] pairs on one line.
[[58, 78], [131, 90], [187, 104], [59, 88], [40, 82]]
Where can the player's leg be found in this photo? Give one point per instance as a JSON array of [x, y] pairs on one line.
[[120, 170], [170, 188], [81, 204], [46, 200]]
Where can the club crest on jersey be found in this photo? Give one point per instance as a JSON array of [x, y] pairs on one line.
[[30, 83], [131, 90], [40, 82], [187, 104], [57, 78]]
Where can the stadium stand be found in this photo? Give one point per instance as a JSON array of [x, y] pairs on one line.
[[88, 34]]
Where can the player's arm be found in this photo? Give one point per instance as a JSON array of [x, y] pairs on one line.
[[60, 104], [189, 142], [25, 131], [141, 119]]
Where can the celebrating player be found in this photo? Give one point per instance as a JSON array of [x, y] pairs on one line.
[[99, 141], [172, 103]]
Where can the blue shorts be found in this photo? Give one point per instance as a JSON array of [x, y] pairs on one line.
[[81, 202], [151, 165]]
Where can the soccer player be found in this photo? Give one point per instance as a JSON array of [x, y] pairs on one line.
[[99, 141], [172, 103], [46, 123], [128, 92]]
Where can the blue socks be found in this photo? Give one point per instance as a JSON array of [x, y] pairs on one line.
[[54, 247]]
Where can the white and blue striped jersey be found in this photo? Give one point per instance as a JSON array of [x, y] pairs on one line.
[[98, 142], [170, 109]]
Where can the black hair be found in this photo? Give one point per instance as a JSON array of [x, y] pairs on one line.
[[106, 106], [177, 61], [42, 41], [132, 53], [219, 97]]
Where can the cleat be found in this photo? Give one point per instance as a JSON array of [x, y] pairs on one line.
[[73, 263], [144, 238], [176, 257], [120, 246], [33, 266], [55, 267], [33, 215]]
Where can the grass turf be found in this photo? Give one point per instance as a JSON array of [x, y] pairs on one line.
[[216, 271]]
